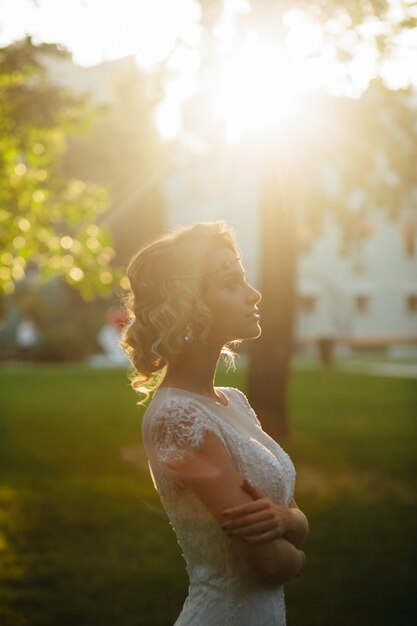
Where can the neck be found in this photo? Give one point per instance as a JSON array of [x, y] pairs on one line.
[[194, 370]]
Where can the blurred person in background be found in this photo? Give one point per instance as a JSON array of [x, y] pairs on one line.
[[27, 338], [109, 337]]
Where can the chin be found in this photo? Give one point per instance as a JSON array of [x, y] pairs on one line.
[[257, 331], [247, 333], [253, 335]]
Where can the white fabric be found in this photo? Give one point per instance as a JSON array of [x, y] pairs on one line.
[[222, 590]]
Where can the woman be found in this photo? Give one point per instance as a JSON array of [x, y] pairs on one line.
[[226, 486]]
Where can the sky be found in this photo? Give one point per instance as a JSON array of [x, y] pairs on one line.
[[99, 30]]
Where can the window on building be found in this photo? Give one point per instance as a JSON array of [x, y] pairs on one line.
[[307, 303], [410, 246], [409, 234], [362, 302], [411, 302]]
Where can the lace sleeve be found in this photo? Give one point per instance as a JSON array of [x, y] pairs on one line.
[[178, 431]]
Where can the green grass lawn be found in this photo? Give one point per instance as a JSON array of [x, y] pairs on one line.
[[83, 540]]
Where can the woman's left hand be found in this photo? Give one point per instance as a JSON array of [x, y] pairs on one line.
[[258, 521]]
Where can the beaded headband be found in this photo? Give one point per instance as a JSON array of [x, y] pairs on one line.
[[224, 266]]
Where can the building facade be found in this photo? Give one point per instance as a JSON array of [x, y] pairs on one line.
[[365, 300]]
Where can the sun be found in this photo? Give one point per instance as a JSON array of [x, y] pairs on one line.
[[255, 85], [255, 89]]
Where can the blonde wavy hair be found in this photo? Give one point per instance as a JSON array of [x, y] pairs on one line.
[[167, 280]]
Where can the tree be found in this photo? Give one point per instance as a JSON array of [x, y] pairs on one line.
[[131, 160], [370, 146], [352, 142], [47, 220]]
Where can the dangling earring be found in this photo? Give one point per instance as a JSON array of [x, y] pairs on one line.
[[189, 335]]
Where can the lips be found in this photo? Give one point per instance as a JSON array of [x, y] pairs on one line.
[[254, 313]]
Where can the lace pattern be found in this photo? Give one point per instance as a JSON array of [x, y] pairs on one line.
[[178, 431], [222, 591]]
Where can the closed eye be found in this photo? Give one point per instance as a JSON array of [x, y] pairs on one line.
[[236, 282], [235, 278]]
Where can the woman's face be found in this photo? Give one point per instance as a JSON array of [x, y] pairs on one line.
[[230, 298]]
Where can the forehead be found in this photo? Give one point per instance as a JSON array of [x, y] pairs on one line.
[[223, 261]]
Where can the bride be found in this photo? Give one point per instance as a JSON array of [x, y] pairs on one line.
[[226, 486]]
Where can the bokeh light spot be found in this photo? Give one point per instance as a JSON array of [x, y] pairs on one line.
[[23, 224], [76, 274], [54, 262], [93, 230], [6, 258], [5, 273], [106, 255], [38, 148], [66, 242], [18, 272], [53, 242], [41, 175], [76, 246], [93, 244], [39, 196], [124, 282], [19, 261], [106, 278], [19, 242], [77, 187], [20, 169], [67, 260]]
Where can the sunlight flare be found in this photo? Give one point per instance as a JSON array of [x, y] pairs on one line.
[[256, 89]]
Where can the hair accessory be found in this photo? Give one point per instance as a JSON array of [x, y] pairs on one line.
[[189, 335], [223, 267]]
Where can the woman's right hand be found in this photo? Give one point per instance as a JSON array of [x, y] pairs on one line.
[[215, 481], [263, 520]]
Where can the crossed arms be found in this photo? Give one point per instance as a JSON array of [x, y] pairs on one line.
[[269, 535]]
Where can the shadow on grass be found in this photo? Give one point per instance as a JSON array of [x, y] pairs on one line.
[[83, 541], [78, 544], [77, 556]]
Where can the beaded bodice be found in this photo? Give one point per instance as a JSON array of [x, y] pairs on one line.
[[222, 589]]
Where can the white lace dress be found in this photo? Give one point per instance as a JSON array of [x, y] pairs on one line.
[[222, 591]]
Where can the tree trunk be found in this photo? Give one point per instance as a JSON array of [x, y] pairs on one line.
[[271, 353]]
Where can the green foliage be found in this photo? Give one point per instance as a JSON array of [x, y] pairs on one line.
[[46, 218], [131, 161]]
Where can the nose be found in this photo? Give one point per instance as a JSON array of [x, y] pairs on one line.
[[254, 295]]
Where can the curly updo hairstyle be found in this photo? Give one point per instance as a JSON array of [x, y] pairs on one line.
[[165, 302]]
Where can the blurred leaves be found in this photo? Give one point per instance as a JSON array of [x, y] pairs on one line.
[[345, 24], [359, 160], [131, 160], [344, 158], [45, 216]]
